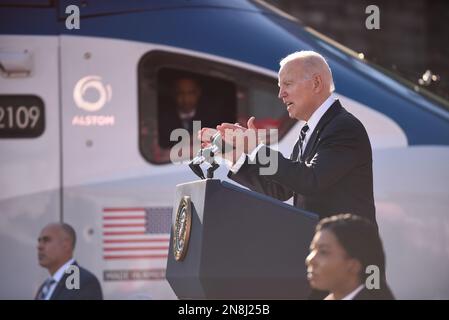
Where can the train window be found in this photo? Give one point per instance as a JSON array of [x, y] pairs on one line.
[[186, 96], [21, 116], [175, 89]]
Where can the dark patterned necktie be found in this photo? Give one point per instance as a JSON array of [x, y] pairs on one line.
[[45, 289], [303, 136], [188, 124], [298, 148]]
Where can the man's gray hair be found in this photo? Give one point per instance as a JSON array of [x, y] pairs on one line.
[[312, 62]]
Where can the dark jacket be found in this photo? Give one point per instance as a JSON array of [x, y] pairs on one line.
[[89, 289], [384, 293]]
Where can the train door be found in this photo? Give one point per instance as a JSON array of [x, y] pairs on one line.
[[30, 156]]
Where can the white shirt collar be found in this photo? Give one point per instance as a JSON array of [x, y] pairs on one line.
[[60, 273], [318, 114], [353, 293], [187, 115]]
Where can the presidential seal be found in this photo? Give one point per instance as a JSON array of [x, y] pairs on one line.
[[181, 228]]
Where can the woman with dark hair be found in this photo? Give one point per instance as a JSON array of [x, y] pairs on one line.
[[342, 248]]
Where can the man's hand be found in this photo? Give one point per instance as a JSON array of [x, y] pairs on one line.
[[239, 137], [243, 140], [204, 135]]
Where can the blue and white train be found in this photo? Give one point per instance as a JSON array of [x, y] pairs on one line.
[[79, 133]]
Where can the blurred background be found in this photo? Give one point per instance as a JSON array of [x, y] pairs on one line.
[[413, 36]]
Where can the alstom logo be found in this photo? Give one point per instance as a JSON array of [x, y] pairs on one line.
[[91, 94]]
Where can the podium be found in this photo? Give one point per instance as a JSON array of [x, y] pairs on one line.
[[231, 243]]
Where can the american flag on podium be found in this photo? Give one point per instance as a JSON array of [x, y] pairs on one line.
[[136, 233]]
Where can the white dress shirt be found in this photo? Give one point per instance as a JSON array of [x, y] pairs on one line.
[[187, 115], [316, 117], [312, 123], [186, 119], [57, 276]]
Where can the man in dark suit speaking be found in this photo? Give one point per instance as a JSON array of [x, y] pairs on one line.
[[55, 247], [330, 168]]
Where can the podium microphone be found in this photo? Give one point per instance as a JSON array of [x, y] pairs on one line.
[[208, 155]]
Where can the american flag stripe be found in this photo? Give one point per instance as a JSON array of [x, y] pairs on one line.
[[123, 217], [120, 233], [136, 233], [135, 240], [123, 209], [148, 256], [124, 225], [136, 248]]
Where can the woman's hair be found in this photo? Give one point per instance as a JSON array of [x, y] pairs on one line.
[[360, 239]]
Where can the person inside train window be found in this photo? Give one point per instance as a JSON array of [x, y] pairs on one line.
[[345, 247], [191, 98]]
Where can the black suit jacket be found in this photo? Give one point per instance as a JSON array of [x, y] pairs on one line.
[[90, 288], [384, 293], [335, 177]]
